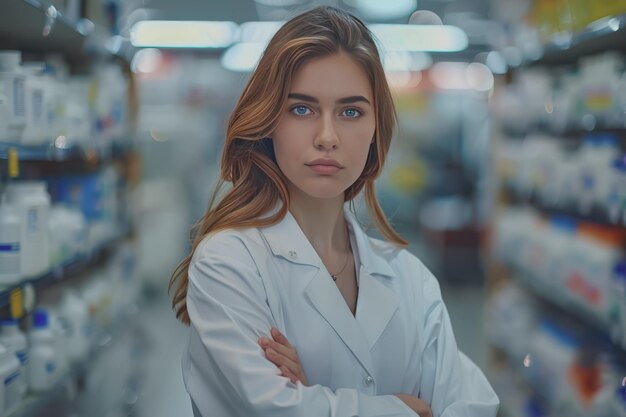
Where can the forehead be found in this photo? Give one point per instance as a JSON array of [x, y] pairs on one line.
[[332, 76]]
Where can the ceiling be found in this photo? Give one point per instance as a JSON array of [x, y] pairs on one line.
[[470, 15], [241, 11]]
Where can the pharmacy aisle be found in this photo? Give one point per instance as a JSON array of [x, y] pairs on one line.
[[557, 308], [71, 342]]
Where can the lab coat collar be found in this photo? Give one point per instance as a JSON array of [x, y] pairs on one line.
[[376, 302], [287, 240]]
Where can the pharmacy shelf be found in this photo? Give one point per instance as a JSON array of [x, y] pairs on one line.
[[600, 36], [66, 391], [556, 296], [22, 23], [596, 215], [569, 406], [71, 267], [77, 154]]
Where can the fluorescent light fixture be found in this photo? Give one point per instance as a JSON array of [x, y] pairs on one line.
[[462, 76], [406, 61], [183, 34], [430, 38], [243, 57], [383, 9], [259, 32]]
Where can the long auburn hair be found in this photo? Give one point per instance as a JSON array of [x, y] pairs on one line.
[[248, 161]]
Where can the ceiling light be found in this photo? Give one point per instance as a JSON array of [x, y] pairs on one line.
[[259, 32], [433, 38], [183, 34], [243, 56], [462, 76], [388, 9], [406, 61]]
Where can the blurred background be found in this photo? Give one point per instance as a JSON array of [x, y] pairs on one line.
[[507, 175]]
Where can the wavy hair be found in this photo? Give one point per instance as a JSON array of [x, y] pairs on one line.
[[248, 161]]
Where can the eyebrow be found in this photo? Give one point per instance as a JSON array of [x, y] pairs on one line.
[[344, 100]]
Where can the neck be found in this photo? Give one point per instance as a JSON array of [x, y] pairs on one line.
[[322, 221]]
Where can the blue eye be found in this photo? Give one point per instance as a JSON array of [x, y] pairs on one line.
[[300, 110], [352, 113]]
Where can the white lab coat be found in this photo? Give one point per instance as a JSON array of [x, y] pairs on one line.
[[243, 282]]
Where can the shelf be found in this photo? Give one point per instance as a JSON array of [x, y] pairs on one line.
[[64, 393], [556, 296], [71, 267], [603, 35], [77, 155], [596, 215], [567, 406], [21, 27]]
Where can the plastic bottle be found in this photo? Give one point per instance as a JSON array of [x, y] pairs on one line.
[[10, 243], [12, 337], [42, 366], [33, 204], [36, 129], [12, 81], [10, 375], [73, 312]]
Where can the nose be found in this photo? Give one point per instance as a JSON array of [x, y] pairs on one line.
[[326, 137]]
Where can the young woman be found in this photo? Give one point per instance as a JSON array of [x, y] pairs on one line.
[[293, 310]]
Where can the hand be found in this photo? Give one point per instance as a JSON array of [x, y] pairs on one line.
[[280, 352], [416, 404]]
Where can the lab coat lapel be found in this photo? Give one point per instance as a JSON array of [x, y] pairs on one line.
[[327, 300], [377, 303], [376, 306], [287, 240]]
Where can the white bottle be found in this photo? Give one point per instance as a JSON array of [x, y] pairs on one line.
[[33, 204], [42, 357], [59, 336], [10, 244], [73, 312], [36, 129], [12, 82], [10, 374], [12, 337]]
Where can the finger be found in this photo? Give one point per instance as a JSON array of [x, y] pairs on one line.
[[287, 373], [283, 350], [279, 360], [279, 337]]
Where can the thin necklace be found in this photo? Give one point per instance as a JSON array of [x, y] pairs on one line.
[[334, 276]]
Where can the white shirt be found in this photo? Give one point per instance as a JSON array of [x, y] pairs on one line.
[[243, 282]]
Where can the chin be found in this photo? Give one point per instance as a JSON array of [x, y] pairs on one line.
[[323, 192]]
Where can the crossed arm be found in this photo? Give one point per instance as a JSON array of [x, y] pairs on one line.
[[281, 353]]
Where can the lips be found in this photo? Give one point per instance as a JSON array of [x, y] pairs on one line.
[[324, 162]]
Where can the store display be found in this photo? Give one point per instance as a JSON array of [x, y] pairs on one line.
[[68, 233], [37, 102], [10, 243], [33, 204], [73, 312], [12, 97], [11, 376], [15, 341], [43, 358]]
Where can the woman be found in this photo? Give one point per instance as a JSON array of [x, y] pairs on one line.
[[293, 309]]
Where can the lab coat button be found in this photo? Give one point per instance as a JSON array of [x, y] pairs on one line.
[[293, 254], [368, 380]]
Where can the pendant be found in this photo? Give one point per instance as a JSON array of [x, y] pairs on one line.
[[333, 277]]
